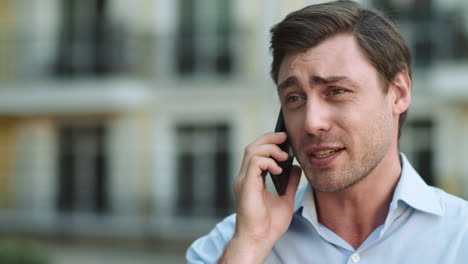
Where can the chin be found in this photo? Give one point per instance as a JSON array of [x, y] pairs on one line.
[[327, 180]]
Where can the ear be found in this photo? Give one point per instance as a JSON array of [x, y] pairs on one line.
[[400, 87]]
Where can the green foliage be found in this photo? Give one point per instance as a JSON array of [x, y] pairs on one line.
[[21, 252]]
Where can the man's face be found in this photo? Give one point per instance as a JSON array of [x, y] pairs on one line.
[[339, 119]]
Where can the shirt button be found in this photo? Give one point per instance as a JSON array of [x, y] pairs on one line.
[[355, 257]]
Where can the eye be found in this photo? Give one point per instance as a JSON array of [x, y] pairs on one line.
[[293, 99], [336, 91]]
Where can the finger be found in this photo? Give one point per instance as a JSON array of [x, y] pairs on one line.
[[259, 164], [271, 138], [268, 150], [265, 150], [293, 182], [256, 168]]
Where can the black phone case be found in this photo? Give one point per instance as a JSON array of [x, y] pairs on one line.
[[281, 180]]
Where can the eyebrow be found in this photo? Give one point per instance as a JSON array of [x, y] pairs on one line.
[[328, 80], [292, 80]]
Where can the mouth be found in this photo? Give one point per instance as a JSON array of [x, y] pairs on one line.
[[324, 153], [323, 157]]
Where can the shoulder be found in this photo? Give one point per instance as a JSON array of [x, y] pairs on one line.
[[209, 248], [455, 223], [452, 205], [454, 212]]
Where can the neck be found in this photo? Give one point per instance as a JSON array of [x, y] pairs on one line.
[[355, 212]]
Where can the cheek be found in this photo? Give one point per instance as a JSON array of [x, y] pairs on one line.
[[365, 112], [376, 126], [294, 126], [358, 124], [295, 129], [347, 120]]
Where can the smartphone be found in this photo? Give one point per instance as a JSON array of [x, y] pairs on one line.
[[281, 180]]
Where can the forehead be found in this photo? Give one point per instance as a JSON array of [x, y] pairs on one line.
[[339, 55]]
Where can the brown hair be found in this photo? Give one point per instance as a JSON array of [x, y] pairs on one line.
[[376, 35]]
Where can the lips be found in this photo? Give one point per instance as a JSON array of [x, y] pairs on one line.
[[323, 153], [323, 156]]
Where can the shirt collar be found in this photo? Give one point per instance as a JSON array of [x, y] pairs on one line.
[[411, 189]]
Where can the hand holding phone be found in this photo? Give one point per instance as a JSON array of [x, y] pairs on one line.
[[261, 216], [281, 180]]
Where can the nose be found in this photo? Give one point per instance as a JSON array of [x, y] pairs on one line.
[[317, 117]]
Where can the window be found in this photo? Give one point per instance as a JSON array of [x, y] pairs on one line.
[[82, 168], [406, 9], [434, 34], [88, 45], [203, 39], [203, 165]]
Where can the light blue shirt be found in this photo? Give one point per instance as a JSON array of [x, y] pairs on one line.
[[424, 225]]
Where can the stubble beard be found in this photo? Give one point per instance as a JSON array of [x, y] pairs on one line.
[[335, 179], [355, 165]]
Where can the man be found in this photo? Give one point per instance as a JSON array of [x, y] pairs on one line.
[[343, 79]]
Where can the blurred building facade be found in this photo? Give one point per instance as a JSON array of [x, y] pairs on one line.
[[129, 118]]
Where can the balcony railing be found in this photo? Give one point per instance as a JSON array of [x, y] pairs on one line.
[[139, 55]]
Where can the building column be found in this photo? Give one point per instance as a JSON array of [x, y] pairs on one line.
[[35, 174], [8, 141]]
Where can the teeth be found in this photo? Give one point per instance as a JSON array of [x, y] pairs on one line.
[[323, 153]]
